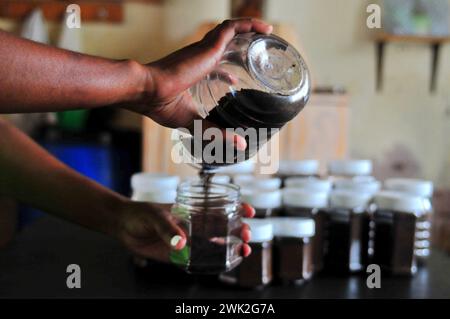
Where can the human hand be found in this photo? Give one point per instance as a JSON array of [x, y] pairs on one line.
[[150, 231], [167, 100]]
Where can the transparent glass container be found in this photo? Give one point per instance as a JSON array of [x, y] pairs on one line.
[[260, 83], [210, 216]]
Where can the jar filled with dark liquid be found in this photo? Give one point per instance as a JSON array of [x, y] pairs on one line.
[[348, 230], [209, 214], [309, 204], [424, 189], [255, 270], [395, 221], [260, 83], [293, 251]]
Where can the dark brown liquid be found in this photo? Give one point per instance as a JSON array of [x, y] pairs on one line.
[[318, 240], [347, 241], [293, 259], [245, 109], [394, 242]]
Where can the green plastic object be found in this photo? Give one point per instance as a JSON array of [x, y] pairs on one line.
[[72, 120]]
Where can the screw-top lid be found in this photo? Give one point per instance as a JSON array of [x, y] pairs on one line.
[[261, 199], [303, 167], [350, 167], [359, 185], [304, 198], [311, 183], [411, 186], [293, 227], [349, 199], [166, 196], [145, 182], [261, 229], [252, 182], [401, 202], [243, 179]]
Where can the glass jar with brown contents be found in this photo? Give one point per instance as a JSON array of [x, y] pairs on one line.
[[309, 204], [255, 270]]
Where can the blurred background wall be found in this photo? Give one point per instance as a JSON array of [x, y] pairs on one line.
[[404, 124]]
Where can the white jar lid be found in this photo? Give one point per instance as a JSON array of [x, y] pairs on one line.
[[261, 229], [311, 183], [304, 198], [350, 167], [246, 167], [401, 202], [357, 184], [418, 187], [243, 179], [261, 198], [303, 167], [145, 182], [349, 199], [167, 196], [293, 227]]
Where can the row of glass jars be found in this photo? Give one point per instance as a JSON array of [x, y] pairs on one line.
[[342, 219]]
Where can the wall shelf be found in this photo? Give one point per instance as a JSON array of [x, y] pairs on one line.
[[434, 42]]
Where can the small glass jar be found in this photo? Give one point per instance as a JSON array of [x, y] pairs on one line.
[[209, 214], [348, 228], [256, 270], [293, 251], [310, 183], [310, 204], [303, 168], [265, 203], [424, 189], [395, 221], [339, 169]]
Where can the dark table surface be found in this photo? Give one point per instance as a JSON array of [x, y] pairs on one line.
[[34, 265]]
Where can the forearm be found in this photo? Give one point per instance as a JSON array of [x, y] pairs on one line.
[[30, 174], [38, 78]]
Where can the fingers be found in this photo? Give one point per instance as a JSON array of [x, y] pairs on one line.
[[246, 250], [169, 231], [247, 210], [246, 233], [229, 137]]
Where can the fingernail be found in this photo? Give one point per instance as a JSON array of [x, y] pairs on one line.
[[175, 241], [240, 143]]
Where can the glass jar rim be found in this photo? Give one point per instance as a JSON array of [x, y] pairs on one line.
[[216, 192]]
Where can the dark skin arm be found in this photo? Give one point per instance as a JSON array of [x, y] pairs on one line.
[[37, 78]]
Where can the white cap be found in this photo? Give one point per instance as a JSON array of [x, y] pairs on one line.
[[246, 167], [401, 202], [311, 183], [157, 196], [262, 229], [303, 167], [304, 198], [261, 198], [418, 187], [350, 167], [146, 182], [219, 179], [358, 184], [349, 199], [242, 180], [293, 227], [258, 183]]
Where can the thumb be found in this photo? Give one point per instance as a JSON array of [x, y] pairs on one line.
[[169, 231]]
